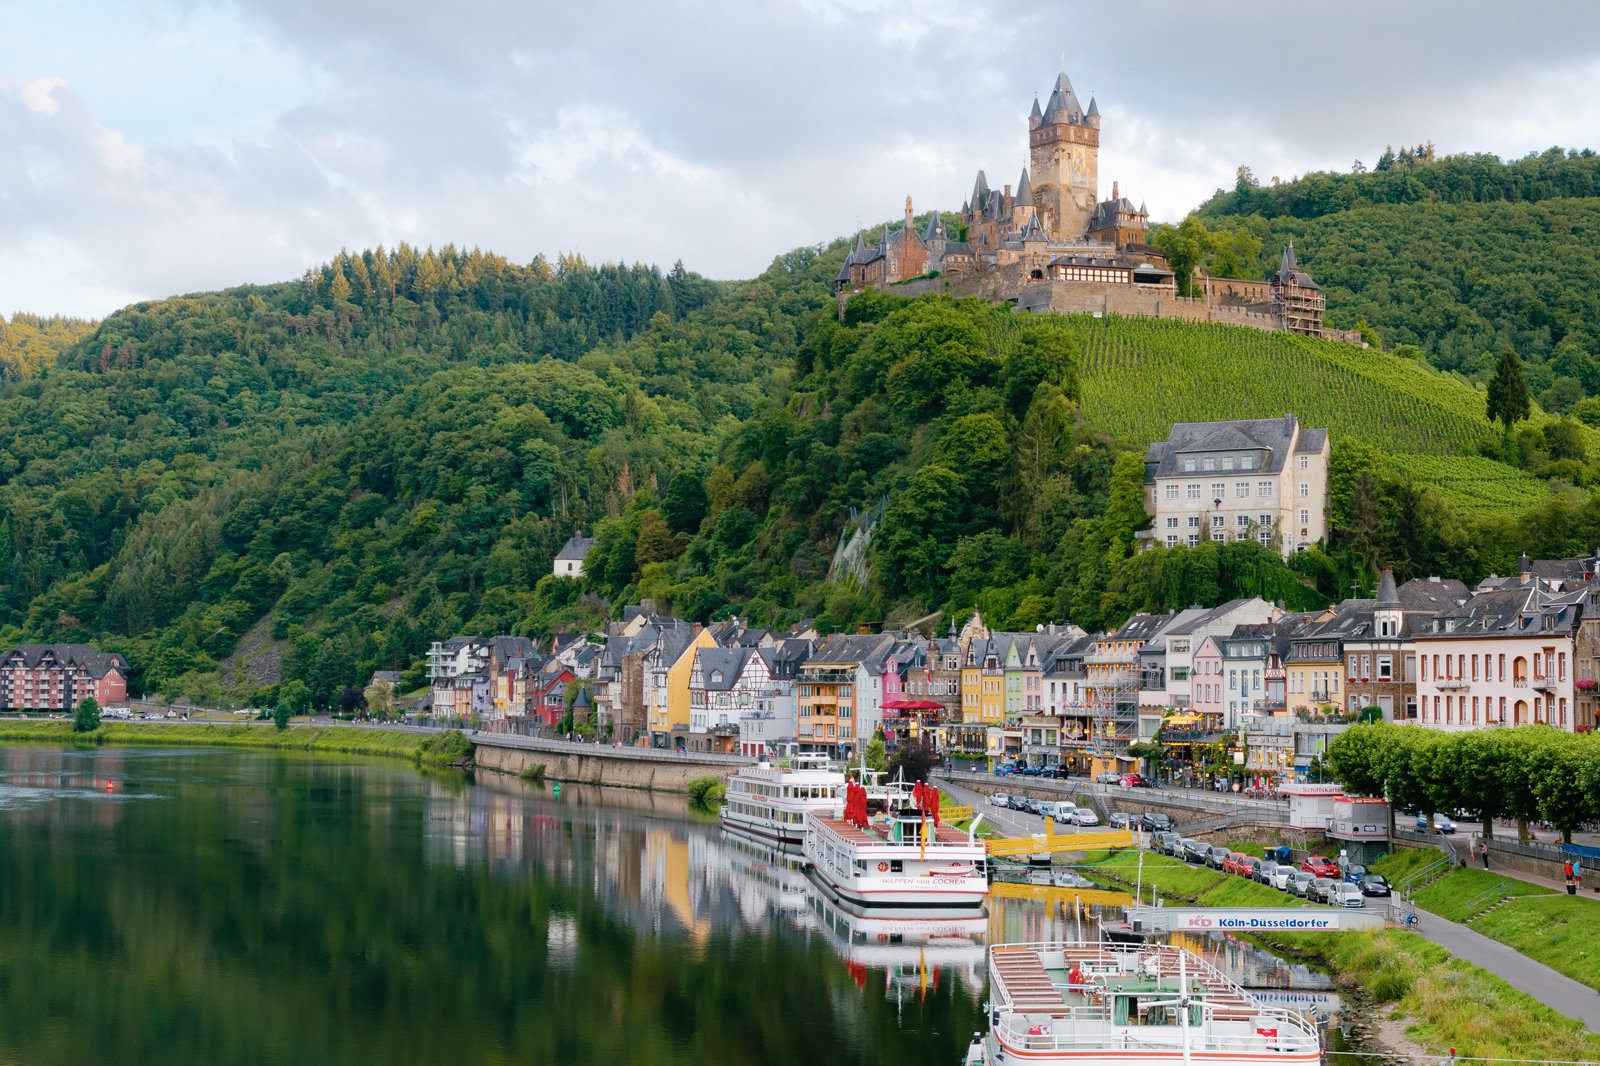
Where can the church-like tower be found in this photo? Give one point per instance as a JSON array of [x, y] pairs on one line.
[[1064, 148]]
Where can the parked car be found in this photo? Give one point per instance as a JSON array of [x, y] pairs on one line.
[[1084, 816], [1321, 889], [1217, 855], [1195, 850], [1347, 894], [1265, 871], [1000, 799], [1230, 862], [1133, 781], [1060, 810], [1110, 777], [1321, 866], [1249, 867], [1019, 803], [1155, 821], [1283, 877], [1060, 771], [1441, 824], [1355, 873], [1118, 820], [1374, 885], [1300, 881], [1166, 843]]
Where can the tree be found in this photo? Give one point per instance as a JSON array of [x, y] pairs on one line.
[[352, 701], [877, 752], [1508, 391], [294, 695], [86, 716], [281, 715], [380, 699], [914, 760]]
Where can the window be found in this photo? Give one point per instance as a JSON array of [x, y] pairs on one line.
[[1385, 668], [1193, 539], [1265, 537], [1172, 522], [1188, 466], [1194, 521], [1263, 488], [1227, 462], [1242, 521], [1218, 521], [1218, 490], [1241, 490], [1305, 491], [1172, 541], [1246, 462], [1211, 464], [1265, 520], [1171, 492], [1305, 462], [1305, 516], [1193, 490]]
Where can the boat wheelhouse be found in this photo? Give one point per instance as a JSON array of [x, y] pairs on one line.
[[776, 803], [1098, 1004], [903, 858]]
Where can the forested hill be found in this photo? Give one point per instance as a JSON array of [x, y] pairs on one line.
[[308, 481], [1460, 256]]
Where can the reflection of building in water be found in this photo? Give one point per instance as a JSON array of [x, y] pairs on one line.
[[1251, 966], [766, 884], [665, 880]]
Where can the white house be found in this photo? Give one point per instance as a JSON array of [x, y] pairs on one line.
[[569, 560]]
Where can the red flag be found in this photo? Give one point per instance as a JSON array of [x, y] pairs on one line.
[[935, 797]]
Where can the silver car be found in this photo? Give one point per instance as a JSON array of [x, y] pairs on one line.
[[1321, 889], [1300, 882], [1346, 894], [1083, 816]]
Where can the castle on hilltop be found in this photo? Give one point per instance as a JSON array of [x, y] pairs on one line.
[[1050, 245]]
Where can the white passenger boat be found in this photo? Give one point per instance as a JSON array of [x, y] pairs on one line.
[[776, 803], [1096, 1004], [902, 858]]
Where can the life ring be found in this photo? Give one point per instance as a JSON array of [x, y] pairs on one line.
[[883, 867]]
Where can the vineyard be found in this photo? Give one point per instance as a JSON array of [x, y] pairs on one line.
[[1474, 484]]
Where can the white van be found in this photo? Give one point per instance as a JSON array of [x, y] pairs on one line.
[[1061, 811]]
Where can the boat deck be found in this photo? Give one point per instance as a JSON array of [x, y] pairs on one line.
[[853, 834]]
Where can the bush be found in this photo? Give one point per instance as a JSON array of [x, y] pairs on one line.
[[86, 717], [451, 748], [707, 790], [533, 773]]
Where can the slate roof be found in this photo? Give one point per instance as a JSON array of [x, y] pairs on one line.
[[1270, 435], [1504, 612], [575, 548], [1063, 105], [1024, 190], [1141, 627], [728, 662], [934, 230], [83, 657], [1033, 231], [853, 648], [1288, 268]]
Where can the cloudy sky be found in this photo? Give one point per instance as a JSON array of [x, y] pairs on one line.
[[154, 147]]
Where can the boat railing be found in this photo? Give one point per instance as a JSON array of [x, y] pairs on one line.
[[1266, 1028]]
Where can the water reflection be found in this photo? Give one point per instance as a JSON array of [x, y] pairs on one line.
[[228, 907]]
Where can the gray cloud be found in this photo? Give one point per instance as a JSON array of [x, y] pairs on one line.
[[719, 133]]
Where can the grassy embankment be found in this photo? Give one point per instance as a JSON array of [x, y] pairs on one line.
[[333, 739], [1561, 931], [1189, 883]]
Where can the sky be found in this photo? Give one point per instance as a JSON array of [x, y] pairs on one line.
[[157, 147]]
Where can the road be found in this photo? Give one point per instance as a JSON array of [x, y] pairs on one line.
[[1005, 821]]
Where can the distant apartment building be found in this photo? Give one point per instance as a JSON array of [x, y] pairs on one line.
[[57, 677], [1262, 479]]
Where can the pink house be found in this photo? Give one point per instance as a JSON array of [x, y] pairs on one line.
[[1207, 682]]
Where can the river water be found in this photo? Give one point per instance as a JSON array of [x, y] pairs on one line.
[[222, 907]]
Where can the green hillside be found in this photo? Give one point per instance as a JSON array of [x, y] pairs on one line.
[[278, 489]]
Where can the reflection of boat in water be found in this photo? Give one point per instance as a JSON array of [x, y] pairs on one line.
[[1053, 877], [776, 803], [902, 859], [1091, 1004], [953, 939], [780, 874]]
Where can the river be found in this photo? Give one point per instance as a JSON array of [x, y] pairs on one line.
[[226, 907]]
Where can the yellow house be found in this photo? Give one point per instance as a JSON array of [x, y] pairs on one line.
[[678, 681], [1313, 671], [669, 666]]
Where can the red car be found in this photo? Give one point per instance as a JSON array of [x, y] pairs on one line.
[[1133, 781], [1320, 866], [1234, 863]]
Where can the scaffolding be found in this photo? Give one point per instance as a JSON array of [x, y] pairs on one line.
[[1114, 701]]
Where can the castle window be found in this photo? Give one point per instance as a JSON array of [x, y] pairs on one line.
[[1305, 462], [1188, 466], [1211, 464], [1242, 521], [1193, 490], [1263, 488], [1241, 490], [1227, 462], [1171, 492]]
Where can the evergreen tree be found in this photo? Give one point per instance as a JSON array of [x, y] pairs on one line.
[[1508, 391]]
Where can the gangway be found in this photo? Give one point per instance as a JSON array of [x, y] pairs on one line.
[[1048, 841]]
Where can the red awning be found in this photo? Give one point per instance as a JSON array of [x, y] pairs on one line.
[[912, 705]]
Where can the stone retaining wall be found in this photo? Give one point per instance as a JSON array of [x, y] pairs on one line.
[[599, 765]]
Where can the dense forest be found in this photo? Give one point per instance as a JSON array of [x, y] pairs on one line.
[[1460, 256], [300, 483]]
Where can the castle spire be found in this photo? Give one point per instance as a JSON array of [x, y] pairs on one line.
[[1024, 190]]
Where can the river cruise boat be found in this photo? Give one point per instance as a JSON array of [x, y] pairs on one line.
[[902, 858], [775, 804], [1098, 1004]]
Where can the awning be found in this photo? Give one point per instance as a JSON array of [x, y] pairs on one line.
[[912, 705]]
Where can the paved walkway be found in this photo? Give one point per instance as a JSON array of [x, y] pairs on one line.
[[1554, 990]]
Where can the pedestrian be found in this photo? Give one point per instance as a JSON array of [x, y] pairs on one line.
[[1577, 875], [1566, 868]]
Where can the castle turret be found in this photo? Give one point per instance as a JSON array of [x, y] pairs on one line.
[[1023, 208], [1064, 151], [1036, 116]]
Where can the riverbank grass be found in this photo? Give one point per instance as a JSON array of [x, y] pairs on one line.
[[1445, 1002], [1452, 895], [332, 739]]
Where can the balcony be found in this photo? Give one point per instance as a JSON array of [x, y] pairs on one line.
[[1451, 684], [1544, 684]]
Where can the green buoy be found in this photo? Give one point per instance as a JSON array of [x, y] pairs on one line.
[[557, 788]]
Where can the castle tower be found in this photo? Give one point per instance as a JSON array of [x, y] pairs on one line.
[[1064, 149]]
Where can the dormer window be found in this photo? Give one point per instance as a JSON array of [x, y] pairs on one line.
[[716, 677]]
